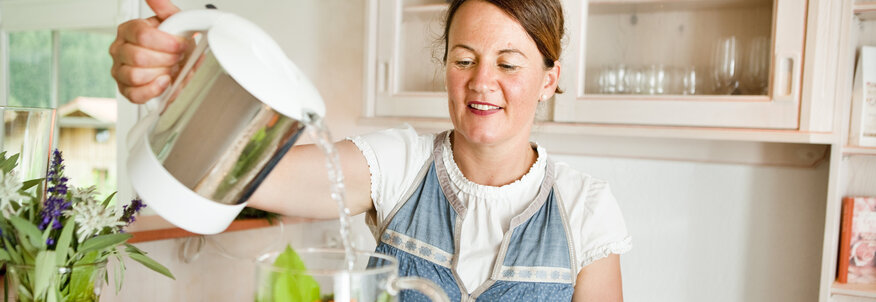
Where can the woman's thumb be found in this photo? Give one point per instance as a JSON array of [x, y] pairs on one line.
[[163, 8]]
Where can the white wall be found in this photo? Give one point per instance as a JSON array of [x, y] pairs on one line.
[[701, 231]]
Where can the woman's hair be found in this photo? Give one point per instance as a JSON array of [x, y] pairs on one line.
[[542, 20]]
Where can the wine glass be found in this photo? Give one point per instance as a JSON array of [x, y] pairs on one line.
[[757, 67], [725, 65]]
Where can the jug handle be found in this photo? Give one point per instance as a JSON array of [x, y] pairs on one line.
[[422, 285], [184, 23]]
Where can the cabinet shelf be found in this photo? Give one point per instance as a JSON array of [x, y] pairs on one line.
[[624, 6], [858, 150], [856, 290], [865, 10], [688, 98], [426, 8]]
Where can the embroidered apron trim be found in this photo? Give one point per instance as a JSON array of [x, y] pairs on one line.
[[416, 247], [536, 274]]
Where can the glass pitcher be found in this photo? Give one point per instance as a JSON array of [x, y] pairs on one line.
[[325, 278]]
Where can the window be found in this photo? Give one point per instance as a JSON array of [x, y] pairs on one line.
[[54, 54], [69, 70], [102, 135]]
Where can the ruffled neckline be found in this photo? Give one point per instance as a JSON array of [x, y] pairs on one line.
[[529, 180]]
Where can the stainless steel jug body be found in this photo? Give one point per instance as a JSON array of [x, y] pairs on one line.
[[235, 109], [216, 138]]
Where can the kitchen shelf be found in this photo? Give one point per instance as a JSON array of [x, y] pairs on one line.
[[858, 150], [627, 6], [426, 8], [856, 290], [153, 227], [865, 10], [704, 98], [622, 130]]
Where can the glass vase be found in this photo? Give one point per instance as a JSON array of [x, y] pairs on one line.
[[28, 133], [77, 283]]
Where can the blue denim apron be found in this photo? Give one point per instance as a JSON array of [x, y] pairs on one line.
[[536, 261]]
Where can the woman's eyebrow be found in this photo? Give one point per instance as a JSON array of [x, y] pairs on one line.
[[512, 50], [464, 47]]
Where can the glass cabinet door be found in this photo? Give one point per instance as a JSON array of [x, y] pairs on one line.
[[409, 77], [708, 63]]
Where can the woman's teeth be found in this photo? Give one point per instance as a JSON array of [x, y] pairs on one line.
[[483, 107]]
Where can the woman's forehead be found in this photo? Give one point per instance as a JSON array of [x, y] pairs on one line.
[[479, 24]]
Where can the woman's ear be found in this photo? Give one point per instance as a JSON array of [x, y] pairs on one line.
[[551, 80]]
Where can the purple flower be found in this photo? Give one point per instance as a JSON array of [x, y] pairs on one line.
[[130, 210], [50, 241], [56, 202]]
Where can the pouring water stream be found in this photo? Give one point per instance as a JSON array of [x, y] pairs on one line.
[[323, 139]]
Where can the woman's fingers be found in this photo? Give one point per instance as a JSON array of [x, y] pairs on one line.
[[145, 33], [163, 8], [138, 76], [138, 56], [143, 93]]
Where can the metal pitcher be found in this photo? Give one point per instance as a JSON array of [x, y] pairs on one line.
[[212, 137]]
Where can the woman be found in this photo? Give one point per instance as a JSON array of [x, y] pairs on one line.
[[479, 209]]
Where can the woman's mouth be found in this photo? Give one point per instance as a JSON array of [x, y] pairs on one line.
[[483, 108]]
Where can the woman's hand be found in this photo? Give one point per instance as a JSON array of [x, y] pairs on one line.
[[146, 59]]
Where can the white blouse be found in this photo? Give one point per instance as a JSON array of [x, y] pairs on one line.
[[396, 155]]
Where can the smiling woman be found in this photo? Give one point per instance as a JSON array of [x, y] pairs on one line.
[[479, 209]]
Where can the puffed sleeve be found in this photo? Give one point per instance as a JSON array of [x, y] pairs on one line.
[[394, 158], [595, 219]]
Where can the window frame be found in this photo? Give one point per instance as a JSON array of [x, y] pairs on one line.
[[55, 15]]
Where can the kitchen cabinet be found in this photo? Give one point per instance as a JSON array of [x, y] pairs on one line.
[[732, 64], [625, 62], [853, 168]]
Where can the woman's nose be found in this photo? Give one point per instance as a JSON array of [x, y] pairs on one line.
[[483, 80]]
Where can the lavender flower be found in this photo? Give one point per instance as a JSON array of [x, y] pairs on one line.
[[56, 203], [131, 210]]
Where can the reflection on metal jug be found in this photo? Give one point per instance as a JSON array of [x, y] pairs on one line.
[[209, 141]]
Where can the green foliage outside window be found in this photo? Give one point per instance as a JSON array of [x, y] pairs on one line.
[[84, 65]]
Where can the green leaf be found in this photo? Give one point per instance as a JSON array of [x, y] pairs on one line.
[[8, 164], [289, 286], [151, 264], [62, 247], [23, 291], [103, 241], [119, 276], [43, 272], [133, 249], [109, 198], [29, 230], [13, 253], [4, 256], [30, 183], [81, 282], [54, 295]]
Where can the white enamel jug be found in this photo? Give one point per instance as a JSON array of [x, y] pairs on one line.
[[235, 109]]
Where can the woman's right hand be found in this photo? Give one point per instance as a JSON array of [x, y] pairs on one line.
[[146, 59]]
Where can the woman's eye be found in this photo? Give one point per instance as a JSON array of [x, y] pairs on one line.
[[508, 67], [464, 63]]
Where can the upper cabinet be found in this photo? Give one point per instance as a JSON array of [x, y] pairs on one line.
[[408, 79], [699, 63], [712, 63]]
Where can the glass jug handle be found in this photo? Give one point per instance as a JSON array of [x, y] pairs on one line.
[[422, 285]]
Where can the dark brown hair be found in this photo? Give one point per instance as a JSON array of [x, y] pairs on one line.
[[541, 19]]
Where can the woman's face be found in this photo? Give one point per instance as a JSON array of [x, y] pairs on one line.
[[495, 75]]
